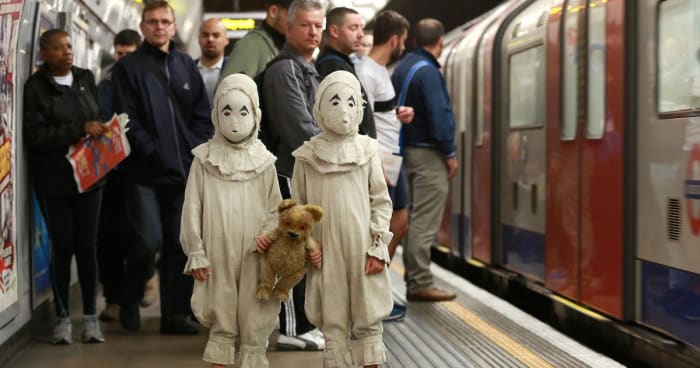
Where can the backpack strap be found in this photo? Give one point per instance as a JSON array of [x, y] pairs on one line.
[[402, 95], [407, 81]]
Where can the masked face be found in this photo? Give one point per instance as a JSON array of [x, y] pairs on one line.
[[339, 109], [235, 116]]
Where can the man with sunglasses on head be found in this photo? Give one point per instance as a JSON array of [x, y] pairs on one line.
[[163, 93]]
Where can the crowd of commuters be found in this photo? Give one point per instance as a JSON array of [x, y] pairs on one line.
[[183, 111]]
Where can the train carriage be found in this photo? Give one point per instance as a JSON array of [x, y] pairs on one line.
[[578, 129]]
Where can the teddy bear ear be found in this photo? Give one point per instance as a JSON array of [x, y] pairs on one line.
[[315, 211], [286, 204]]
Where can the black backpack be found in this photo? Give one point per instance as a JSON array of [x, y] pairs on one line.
[[266, 134]]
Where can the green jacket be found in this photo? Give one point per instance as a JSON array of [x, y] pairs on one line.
[[251, 54]]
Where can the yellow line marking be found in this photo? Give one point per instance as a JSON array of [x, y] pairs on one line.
[[579, 308], [476, 263], [513, 347], [497, 336], [443, 248]]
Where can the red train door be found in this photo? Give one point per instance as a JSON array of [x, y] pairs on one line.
[[585, 161]]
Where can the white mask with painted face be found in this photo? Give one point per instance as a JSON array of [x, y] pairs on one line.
[[338, 106], [235, 152], [236, 111], [235, 117]]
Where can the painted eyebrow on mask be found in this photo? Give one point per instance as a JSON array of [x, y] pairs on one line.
[[244, 108], [335, 97], [227, 107], [352, 98]]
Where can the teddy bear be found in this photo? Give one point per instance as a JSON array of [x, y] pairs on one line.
[[285, 260]]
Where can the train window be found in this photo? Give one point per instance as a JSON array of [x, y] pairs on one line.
[[595, 116], [570, 61], [479, 133], [527, 88], [678, 69]]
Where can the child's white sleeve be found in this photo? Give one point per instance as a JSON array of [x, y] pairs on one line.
[[191, 221], [380, 204]]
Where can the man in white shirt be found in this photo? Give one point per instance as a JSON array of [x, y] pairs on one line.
[[390, 32], [212, 42]]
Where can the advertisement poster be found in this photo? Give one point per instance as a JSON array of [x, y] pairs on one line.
[[9, 21]]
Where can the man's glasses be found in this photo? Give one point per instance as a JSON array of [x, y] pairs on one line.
[[155, 22]]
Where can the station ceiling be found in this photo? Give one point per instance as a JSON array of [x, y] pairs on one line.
[[451, 13]]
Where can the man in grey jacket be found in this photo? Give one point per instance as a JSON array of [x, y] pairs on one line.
[[252, 52], [289, 88]]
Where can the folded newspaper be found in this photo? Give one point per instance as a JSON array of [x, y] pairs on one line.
[[92, 158]]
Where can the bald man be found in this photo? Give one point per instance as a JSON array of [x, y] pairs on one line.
[[212, 42]]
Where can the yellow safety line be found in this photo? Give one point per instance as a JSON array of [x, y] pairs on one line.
[[514, 348], [497, 336], [579, 308]]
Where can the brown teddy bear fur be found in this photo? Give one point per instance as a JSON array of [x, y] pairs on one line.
[[285, 260]]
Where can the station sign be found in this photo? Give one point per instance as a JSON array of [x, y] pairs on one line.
[[238, 23]]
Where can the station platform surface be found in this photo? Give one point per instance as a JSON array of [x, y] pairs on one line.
[[475, 330]]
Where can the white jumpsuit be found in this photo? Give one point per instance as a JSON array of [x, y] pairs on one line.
[[346, 180], [222, 214]]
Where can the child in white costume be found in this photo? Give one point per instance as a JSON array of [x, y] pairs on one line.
[[340, 171], [232, 195]]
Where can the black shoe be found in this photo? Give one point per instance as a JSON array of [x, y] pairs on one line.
[[178, 326], [129, 317]]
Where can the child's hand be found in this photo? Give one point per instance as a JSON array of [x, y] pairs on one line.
[[262, 243], [374, 265], [201, 274], [316, 256]]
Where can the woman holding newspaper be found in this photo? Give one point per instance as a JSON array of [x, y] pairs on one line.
[[61, 106]]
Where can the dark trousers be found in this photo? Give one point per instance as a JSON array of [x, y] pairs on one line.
[[293, 319], [111, 241], [72, 222], [153, 223]]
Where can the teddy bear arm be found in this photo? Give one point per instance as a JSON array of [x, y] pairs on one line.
[[311, 245]]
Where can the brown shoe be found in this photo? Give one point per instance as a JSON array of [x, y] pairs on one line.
[[430, 295], [110, 313]]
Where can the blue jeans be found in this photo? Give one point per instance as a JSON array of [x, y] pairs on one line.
[[72, 222], [152, 224]]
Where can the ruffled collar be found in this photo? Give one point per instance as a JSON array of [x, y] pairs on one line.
[[330, 154], [234, 162]]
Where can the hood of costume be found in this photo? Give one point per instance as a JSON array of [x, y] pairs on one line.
[[338, 110], [235, 152]]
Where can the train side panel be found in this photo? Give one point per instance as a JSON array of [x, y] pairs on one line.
[[668, 175]]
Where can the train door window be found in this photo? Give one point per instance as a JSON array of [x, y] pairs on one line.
[[479, 133], [570, 63], [527, 88], [595, 114], [678, 55]]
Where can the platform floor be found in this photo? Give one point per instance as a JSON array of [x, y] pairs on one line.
[[476, 330]]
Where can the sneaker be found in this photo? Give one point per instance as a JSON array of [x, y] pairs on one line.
[[397, 312], [290, 343], [314, 340], [91, 330], [62, 333], [150, 292], [110, 313]]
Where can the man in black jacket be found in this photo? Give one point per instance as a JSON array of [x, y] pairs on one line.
[[163, 93], [344, 36]]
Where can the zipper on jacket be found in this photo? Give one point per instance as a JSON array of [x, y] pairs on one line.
[[172, 118]]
